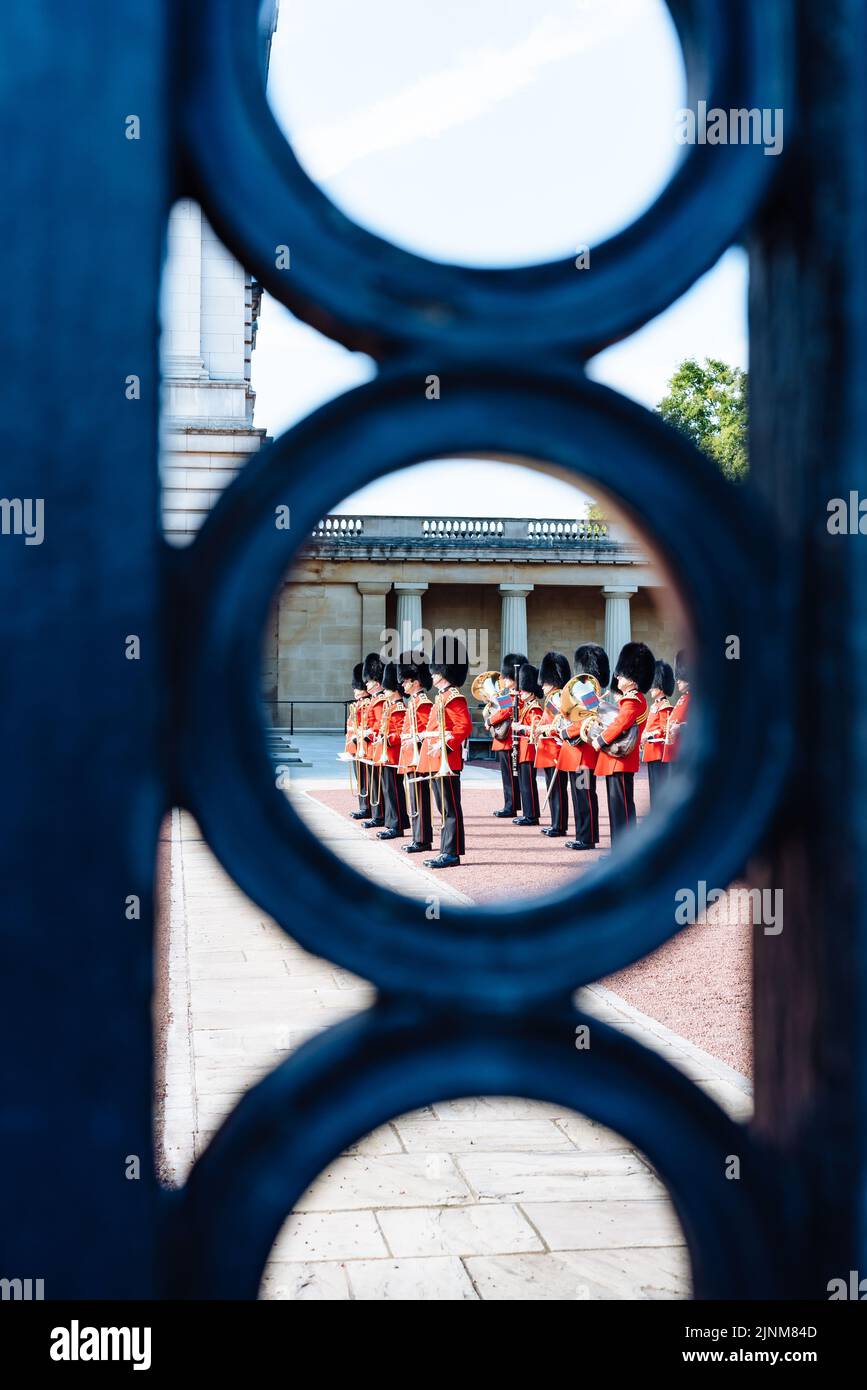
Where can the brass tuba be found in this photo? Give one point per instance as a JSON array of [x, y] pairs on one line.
[[601, 719]]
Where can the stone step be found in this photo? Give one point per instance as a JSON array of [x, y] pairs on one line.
[[283, 750]]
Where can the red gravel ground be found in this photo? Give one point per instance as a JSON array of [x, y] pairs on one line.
[[697, 984]]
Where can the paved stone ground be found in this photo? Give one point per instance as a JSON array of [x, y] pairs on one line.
[[474, 1199]]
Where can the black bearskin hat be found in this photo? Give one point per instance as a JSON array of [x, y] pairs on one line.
[[528, 680], [449, 659], [663, 678], [637, 663], [554, 670], [357, 677], [509, 662], [681, 665], [372, 668], [389, 677], [592, 660], [413, 667]]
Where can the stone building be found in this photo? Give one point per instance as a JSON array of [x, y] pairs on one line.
[[528, 585], [209, 312]]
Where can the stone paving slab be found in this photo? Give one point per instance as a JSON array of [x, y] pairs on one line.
[[477, 1198], [660, 1273], [475, 1230]]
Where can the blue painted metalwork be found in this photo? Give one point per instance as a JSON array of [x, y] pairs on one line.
[[476, 1002]]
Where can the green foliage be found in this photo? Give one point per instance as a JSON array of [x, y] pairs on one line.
[[708, 403]]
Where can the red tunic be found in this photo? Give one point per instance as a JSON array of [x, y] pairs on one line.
[[459, 724], [421, 705], [530, 714], [676, 723], [502, 715], [372, 721], [633, 710], [576, 755], [394, 726], [548, 749], [654, 737]]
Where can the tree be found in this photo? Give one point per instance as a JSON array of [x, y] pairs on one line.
[[708, 403]]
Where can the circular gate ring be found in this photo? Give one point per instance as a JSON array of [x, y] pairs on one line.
[[393, 1059], [720, 549], [371, 295]]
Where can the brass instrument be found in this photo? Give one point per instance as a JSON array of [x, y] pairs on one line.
[[443, 770], [596, 724], [541, 730], [416, 752], [580, 699], [486, 687], [373, 762], [391, 700], [352, 735], [558, 723], [383, 731]]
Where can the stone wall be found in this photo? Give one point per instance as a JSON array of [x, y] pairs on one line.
[[318, 643]]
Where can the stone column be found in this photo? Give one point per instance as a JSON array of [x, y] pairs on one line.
[[618, 623], [373, 594], [513, 618], [408, 619], [181, 297]]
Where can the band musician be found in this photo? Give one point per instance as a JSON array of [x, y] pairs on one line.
[[578, 759], [441, 758], [415, 681], [498, 719], [354, 742], [554, 672], [372, 673]]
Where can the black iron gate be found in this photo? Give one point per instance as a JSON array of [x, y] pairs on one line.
[[100, 742]]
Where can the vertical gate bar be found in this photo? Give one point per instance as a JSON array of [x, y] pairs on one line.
[[808, 436], [81, 227]]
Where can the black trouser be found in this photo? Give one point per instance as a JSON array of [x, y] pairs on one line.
[[447, 791], [363, 799], [621, 802], [418, 794], [657, 776], [529, 790], [585, 804], [511, 791], [375, 777], [393, 801], [558, 799]]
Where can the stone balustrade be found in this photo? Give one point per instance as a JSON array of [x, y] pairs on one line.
[[533, 532]]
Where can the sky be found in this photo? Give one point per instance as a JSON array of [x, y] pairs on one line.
[[496, 133]]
